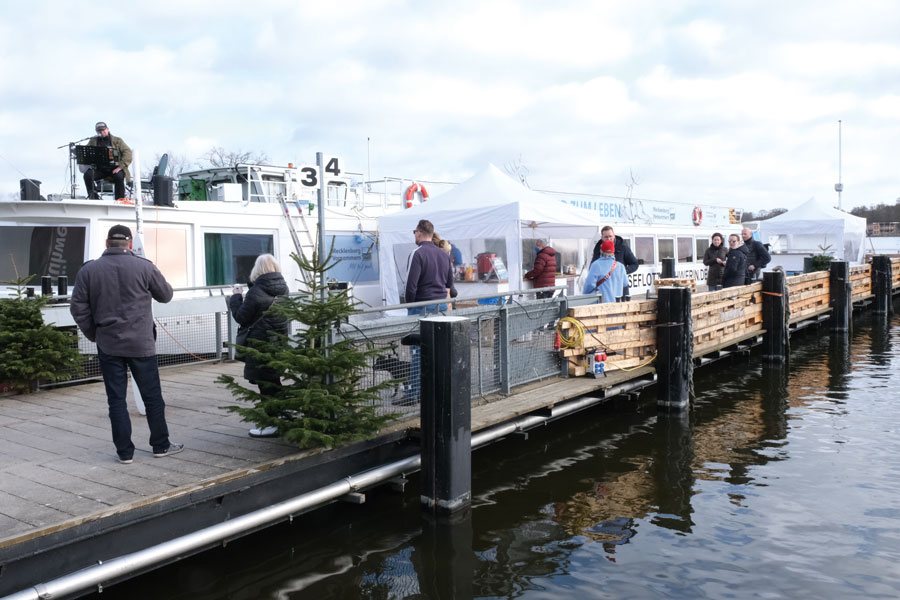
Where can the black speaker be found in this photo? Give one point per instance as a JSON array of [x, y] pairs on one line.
[[162, 191], [30, 189]]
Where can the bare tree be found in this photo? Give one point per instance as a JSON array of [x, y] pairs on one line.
[[518, 170], [220, 157], [177, 164]]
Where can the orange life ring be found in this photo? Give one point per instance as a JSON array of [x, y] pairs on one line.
[[697, 215], [411, 191]]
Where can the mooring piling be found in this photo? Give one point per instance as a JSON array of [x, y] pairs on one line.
[[446, 414], [841, 295], [675, 365]]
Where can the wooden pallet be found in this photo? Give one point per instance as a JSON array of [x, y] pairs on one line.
[[626, 328], [726, 316], [809, 295], [861, 282]]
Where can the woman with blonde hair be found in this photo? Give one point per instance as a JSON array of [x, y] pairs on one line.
[[266, 283]]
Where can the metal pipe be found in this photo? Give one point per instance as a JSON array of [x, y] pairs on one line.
[[136, 561]]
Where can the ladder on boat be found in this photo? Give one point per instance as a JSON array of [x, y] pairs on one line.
[[285, 212]]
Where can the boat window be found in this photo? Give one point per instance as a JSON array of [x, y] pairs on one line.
[[337, 193], [702, 245], [358, 254], [685, 249], [666, 248], [643, 250], [41, 250], [230, 256], [167, 249]]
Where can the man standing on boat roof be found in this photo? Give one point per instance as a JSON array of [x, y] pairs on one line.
[[118, 173], [111, 303], [624, 256]]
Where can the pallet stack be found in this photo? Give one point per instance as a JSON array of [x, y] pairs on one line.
[[809, 295], [861, 282], [726, 316], [626, 328]]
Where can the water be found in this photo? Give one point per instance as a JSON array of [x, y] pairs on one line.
[[781, 483]]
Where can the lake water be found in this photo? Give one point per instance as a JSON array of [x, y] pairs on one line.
[[780, 483]]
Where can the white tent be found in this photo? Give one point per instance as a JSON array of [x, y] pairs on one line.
[[814, 228], [490, 207]]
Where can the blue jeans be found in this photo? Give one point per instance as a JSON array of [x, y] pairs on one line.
[[414, 387], [146, 376]]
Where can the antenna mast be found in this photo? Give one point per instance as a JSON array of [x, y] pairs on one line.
[[839, 187]]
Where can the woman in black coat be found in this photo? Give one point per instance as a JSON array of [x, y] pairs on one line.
[[266, 284], [735, 263], [714, 258]]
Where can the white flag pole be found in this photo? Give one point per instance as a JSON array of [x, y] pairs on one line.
[[138, 244]]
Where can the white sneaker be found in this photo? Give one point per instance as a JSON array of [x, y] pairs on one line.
[[264, 432]]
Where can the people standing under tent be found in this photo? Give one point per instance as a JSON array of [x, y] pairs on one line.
[[735, 263], [606, 275], [714, 259], [544, 271]]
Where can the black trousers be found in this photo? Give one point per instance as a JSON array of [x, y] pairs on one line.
[[94, 174]]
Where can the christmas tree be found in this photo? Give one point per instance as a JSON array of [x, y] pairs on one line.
[[30, 350], [321, 402]]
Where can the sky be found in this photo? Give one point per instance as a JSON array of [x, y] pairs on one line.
[[733, 103]]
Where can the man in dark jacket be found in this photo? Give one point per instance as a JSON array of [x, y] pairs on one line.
[[118, 173], [430, 277], [735, 263], [111, 303], [544, 271], [757, 255], [623, 256]]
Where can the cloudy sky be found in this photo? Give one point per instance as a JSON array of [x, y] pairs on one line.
[[725, 102]]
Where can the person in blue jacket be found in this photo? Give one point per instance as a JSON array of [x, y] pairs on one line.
[[606, 275]]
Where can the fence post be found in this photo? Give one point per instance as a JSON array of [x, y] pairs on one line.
[[504, 349], [446, 415], [673, 342], [775, 342], [668, 268], [563, 312], [218, 318], [841, 298], [881, 284]]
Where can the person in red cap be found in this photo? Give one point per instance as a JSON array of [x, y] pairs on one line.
[[606, 275]]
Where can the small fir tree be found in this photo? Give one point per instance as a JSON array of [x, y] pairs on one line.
[[30, 350], [321, 403]]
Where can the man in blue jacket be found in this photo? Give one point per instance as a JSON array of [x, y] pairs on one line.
[[111, 303]]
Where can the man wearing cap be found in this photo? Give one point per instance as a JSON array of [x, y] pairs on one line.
[[111, 305], [118, 173], [606, 275], [624, 255]]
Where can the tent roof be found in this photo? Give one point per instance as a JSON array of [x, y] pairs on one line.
[[489, 194], [813, 210]]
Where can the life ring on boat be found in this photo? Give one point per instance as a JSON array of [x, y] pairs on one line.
[[697, 216], [411, 191]]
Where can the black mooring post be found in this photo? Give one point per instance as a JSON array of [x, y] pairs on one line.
[[62, 285], [46, 285], [674, 364], [668, 268], [775, 341], [881, 284], [841, 295], [446, 415]]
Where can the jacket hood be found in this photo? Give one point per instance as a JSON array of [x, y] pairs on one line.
[[272, 283]]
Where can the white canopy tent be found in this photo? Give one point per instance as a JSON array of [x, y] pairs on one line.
[[814, 228], [489, 206]]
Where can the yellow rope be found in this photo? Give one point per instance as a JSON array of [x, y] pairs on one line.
[[652, 358], [577, 339]]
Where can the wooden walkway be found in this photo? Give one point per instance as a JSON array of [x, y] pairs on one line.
[[59, 468]]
